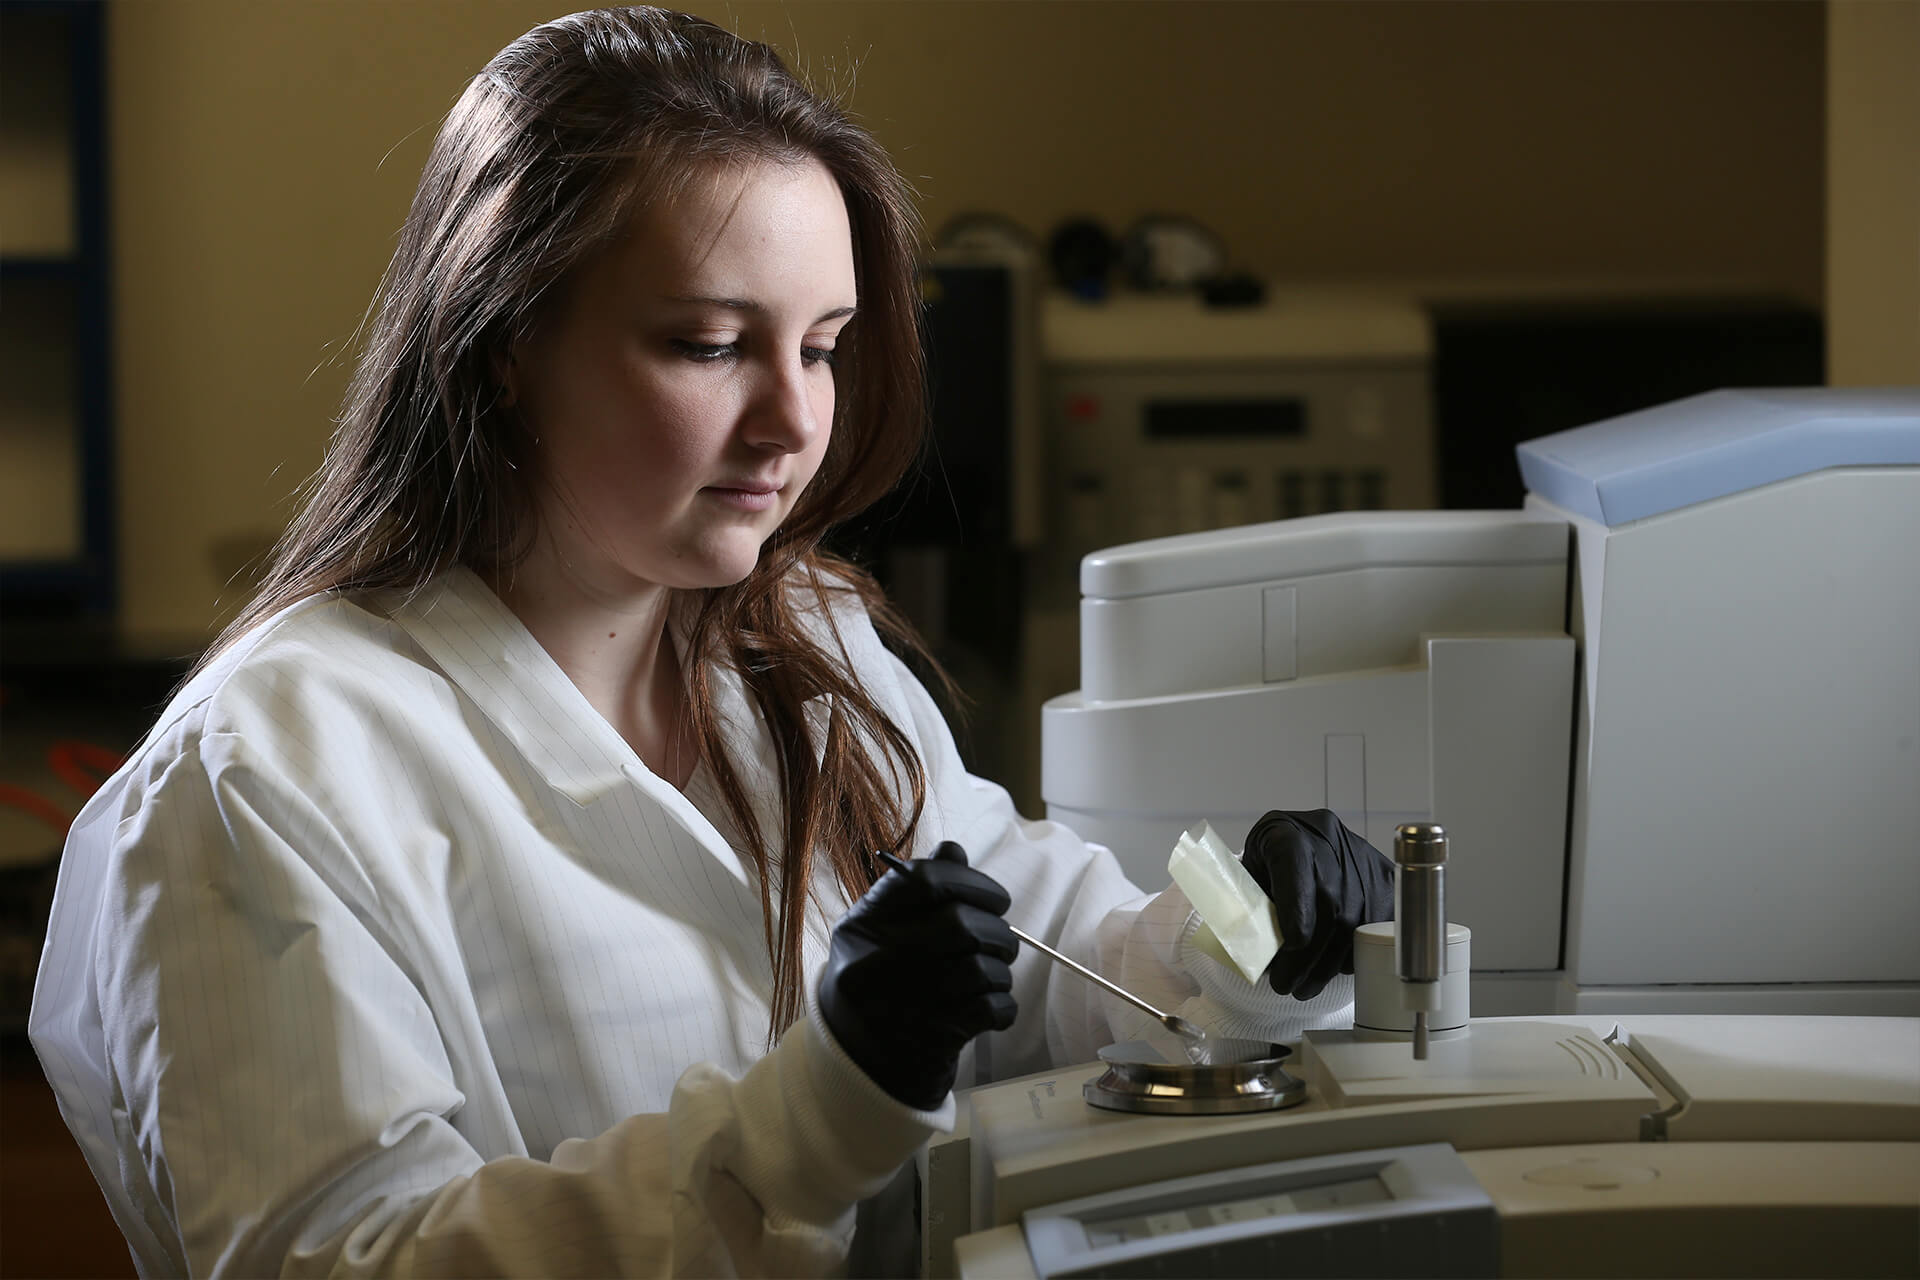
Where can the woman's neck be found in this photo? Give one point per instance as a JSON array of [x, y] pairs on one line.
[[619, 652]]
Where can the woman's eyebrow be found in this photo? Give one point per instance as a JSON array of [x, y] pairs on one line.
[[748, 305]]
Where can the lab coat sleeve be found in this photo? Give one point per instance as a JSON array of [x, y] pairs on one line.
[[1073, 895], [279, 1082]]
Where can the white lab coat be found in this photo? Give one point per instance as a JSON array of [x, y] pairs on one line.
[[385, 953]]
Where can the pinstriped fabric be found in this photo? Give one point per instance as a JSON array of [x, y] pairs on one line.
[[421, 826], [383, 913]]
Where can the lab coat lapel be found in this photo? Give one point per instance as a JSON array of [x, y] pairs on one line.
[[485, 650]]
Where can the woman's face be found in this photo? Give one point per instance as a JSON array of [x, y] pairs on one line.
[[682, 395]]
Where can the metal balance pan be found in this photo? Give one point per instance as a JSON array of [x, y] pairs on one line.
[[1214, 1078]]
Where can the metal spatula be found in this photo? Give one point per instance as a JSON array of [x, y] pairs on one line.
[[1173, 1022]]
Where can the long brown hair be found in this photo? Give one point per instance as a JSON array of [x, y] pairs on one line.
[[535, 171]]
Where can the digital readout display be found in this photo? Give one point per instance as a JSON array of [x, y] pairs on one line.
[[1202, 419], [1112, 1231]]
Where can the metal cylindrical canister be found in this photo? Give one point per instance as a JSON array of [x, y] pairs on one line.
[[1420, 902]]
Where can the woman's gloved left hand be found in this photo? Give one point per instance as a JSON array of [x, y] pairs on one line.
[[1325, 882]]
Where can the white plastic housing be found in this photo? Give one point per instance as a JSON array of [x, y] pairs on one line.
[[1390, 666], [1747, 781]]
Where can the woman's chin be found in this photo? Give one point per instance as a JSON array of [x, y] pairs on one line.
[[719, 568]]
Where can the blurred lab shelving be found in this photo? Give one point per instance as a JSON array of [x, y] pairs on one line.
[[57, 569], [56, 437]]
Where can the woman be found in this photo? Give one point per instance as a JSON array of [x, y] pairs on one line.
[[472, 907]]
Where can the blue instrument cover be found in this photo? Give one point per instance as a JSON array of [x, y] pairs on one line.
[[1722, 442]]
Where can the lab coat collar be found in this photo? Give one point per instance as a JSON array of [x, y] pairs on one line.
[[489, 653], [491, 656]]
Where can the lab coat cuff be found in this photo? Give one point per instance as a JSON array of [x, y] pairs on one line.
[[850, 1098], [816, 1136]]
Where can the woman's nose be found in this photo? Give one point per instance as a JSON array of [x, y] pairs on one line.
[[788, 412]]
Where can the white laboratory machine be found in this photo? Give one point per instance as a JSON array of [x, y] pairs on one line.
[[1163, 415], [1658, 1145], [1669, 711]]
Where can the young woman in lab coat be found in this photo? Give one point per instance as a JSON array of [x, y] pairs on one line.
[[498, 896]]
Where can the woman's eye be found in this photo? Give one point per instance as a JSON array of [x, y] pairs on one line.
[[703, 352], [817, 355]]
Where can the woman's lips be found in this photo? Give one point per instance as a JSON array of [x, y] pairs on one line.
[[754, 498]]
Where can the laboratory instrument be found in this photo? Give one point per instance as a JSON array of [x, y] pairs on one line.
[[1566, 1145], [1653, 739], [1165, 415], [1667, 712]]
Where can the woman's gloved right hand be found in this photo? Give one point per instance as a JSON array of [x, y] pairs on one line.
[[918, 967], [1325, 882]]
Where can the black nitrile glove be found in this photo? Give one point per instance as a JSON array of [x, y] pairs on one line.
[[1325, 882], [918, 967]]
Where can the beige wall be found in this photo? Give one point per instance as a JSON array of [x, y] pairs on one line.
[[1873, 192], [264, 154]]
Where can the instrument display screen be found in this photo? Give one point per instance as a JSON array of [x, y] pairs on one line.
[[1196, 418], [1121, 1230]]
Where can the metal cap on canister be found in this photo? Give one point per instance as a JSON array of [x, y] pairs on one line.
[[1419, 844]]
